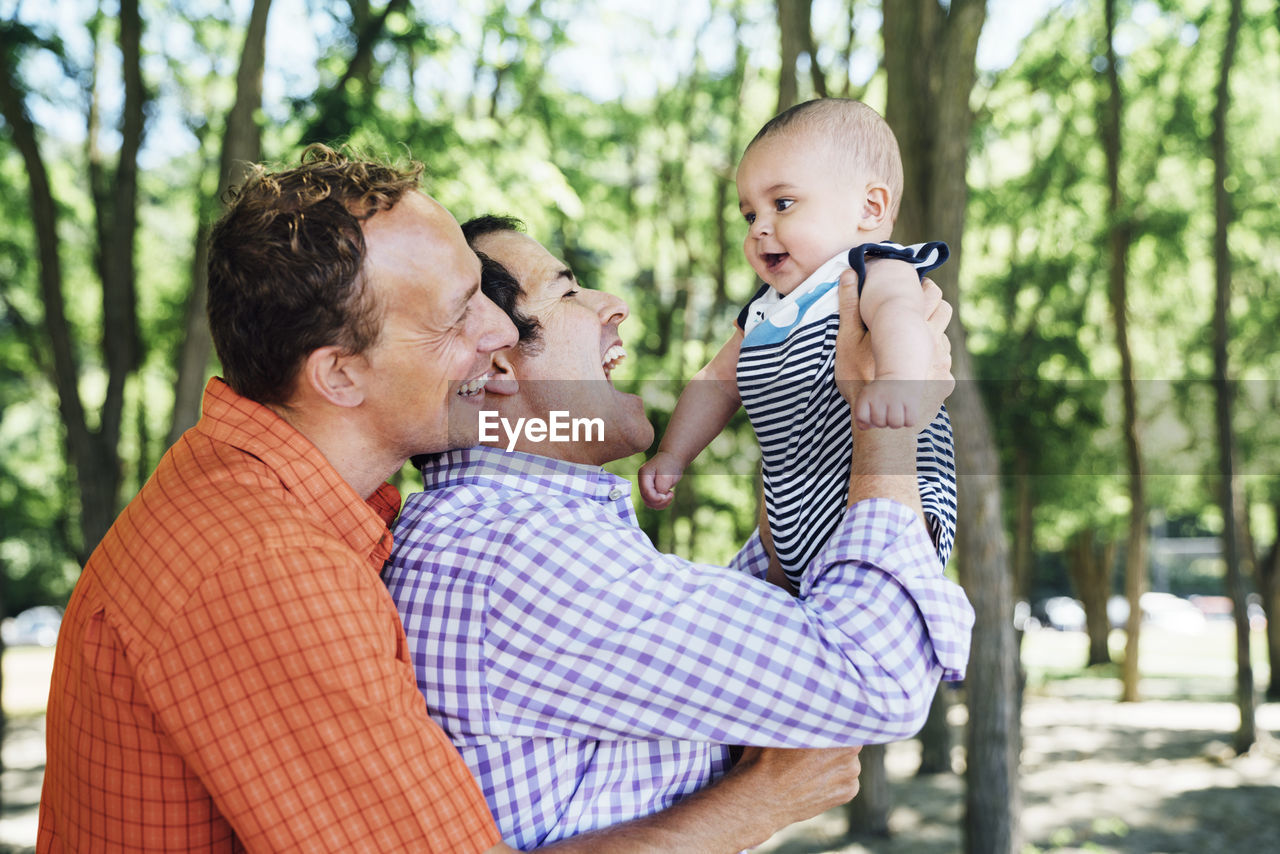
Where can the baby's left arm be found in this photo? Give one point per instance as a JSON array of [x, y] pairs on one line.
[[892, 307]]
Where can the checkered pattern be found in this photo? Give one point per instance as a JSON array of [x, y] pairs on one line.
[[589, 679], [231, 674]]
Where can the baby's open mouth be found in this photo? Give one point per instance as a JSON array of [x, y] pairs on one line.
[[773, 260]]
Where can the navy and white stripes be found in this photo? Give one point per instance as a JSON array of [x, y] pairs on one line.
[[786, 379]]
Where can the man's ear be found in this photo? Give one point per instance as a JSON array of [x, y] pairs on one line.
[[504, 380], [336, 376], [875, 206]]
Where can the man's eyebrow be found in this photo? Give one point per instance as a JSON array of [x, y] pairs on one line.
[[461, 303]]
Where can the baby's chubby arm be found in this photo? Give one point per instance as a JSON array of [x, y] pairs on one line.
[[704, 408], [892, 306]]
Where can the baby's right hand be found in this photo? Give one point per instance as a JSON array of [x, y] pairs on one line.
[[658, 477], [887, 403]]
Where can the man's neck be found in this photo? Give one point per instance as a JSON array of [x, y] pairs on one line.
[[345, 445]]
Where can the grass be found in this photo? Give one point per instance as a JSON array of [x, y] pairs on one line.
[[1199, 665]]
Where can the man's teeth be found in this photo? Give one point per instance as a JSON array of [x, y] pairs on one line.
[[473, 387], [612, 357]]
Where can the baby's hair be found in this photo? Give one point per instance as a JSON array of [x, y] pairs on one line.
[[853, 129]]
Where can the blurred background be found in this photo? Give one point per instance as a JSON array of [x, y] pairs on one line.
[[1105, 172]]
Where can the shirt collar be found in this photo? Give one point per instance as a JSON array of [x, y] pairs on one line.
[[302, 468], [524, 472]]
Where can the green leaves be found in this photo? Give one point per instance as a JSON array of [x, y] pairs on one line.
[[615, 134]]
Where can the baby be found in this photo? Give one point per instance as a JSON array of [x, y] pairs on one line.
[[817, 179]]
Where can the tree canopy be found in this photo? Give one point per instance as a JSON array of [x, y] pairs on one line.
[[614, 132]]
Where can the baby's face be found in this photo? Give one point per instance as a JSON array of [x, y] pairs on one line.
[[799, 213]]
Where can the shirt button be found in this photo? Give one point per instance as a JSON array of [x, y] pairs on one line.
[[616, 493]]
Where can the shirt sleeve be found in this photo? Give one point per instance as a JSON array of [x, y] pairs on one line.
[[923, 256], [286, 687], [752, 559], [592, 633]]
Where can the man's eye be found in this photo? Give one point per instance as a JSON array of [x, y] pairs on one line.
[[573, 292], [783, 204]]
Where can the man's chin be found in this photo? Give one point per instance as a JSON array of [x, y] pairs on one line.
[[627, 431], [464, 428], [639, 432]]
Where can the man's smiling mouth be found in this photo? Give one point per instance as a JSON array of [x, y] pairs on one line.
[[473, 387], [612, 357]]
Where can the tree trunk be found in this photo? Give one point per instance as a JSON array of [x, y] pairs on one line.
[[795, 37], [816, 75], [117, 206], [241, 146], [1090, 569], [935, 736], [788, 52], [1119, 235], [1024, 527], [993, 801], [1099, 635], [929, 58], [868, 813], [1230, 486], [115, 194], [93, 453], [336, 115], [1267, 566], [4, 612], [1269, 589]]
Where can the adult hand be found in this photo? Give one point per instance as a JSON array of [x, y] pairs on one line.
[[855, 364], [941, 383], [803, 782], [768, 789]]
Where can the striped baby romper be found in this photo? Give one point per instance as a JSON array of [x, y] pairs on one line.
[[786, 379]]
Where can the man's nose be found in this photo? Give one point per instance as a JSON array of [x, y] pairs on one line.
[[497, 330], [612, 309]]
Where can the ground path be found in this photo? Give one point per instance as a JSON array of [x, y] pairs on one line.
[[1097, 776]]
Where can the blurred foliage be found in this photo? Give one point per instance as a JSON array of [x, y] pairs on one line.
[[613, 133]]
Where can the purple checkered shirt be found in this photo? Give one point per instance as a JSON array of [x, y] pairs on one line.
[[588, 678]]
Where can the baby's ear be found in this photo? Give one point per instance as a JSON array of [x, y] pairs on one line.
[[503, 381], [875, 207]]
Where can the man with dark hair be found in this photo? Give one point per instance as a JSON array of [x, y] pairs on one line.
[[231, 673], [589, 678]]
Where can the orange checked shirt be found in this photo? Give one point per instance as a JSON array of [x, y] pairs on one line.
[[232, 675]]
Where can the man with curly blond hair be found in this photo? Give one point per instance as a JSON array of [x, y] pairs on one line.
[[231, 673]]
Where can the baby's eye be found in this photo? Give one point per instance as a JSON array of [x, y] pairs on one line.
[[783, 204], [750, 218]]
